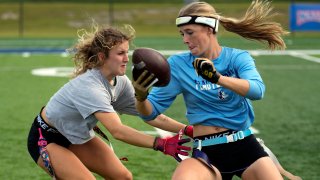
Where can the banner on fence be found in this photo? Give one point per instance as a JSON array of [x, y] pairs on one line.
[[305, 17]]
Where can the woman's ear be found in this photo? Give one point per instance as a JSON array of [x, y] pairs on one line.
[[101, 56], [209, 30]]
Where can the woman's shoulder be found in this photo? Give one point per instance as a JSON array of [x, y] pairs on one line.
[[181, 54], [235, 51], [235, 54], [85, 80], [180, 58], [123, 79]]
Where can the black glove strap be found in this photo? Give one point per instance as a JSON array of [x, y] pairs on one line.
[[141, 99], [214, 78], [155, 143]]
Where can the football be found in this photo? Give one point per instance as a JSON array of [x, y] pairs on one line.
[[153, 61]]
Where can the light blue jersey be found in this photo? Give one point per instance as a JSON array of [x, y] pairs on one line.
[[207, 103]]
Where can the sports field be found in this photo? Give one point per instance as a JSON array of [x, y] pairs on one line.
[[287, 119]]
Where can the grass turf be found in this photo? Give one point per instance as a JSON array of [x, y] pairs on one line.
[[287, 117]]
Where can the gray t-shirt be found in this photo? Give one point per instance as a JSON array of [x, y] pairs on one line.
[[71, 109]]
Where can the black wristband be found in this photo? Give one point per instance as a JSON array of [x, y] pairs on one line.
[[154, 144], [216, 77], [141, 99], [185, 129]]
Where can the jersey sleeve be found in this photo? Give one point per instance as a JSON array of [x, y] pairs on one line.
[[246, 69], [162, 97], [91, 98], [126, 100]]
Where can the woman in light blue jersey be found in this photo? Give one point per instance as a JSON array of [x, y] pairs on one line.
[[62, 140], [217, 84]]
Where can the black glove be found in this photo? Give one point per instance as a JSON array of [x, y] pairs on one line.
[[205, 68]]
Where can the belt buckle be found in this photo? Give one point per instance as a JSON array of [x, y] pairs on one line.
[[240, 135], [199, 146], [235, 136]]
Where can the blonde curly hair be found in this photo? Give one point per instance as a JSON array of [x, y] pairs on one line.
[[98, 40]]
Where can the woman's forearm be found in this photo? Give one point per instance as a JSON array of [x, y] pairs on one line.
[[144, 107]]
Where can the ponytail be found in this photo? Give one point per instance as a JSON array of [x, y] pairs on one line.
[[255, 25]]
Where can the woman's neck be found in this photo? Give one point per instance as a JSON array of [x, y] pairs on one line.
[[108, 76], [213, 51]]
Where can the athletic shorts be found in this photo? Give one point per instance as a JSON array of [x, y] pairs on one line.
[[235, 157], [51, 134]]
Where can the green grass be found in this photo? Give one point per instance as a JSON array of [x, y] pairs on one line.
[[287, 117], [161, 43]]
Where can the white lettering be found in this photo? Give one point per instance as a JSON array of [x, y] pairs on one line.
[[42, 124], [220, 135], [215, 86], [205, 87], [52, 130], [305, 16]]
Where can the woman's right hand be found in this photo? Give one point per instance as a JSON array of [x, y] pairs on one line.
[[142, 85], [172, 145]]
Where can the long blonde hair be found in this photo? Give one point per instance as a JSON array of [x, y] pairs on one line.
[[254, 25], [98, 40]]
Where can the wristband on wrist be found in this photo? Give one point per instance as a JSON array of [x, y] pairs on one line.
[[154, 144], [216, 77], [188, 130], [141, 99], [158, 144]]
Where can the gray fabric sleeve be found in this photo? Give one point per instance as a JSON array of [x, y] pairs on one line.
[[125, 103]]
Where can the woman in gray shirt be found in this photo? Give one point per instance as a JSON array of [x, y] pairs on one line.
[[63, 130]]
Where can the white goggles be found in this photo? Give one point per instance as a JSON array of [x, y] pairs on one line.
[[212, 22]]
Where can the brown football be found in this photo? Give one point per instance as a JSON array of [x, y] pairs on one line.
[[153, 61]]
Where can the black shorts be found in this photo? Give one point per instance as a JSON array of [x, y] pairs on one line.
[[235, 157], [51, 134]]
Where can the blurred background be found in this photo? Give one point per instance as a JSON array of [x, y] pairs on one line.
[[58, 21], [35, 33]]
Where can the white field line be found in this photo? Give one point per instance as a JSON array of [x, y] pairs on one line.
[[257, 52], [163, 133], [306, 57], [303, 54], [284, 52], [170, 52]]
